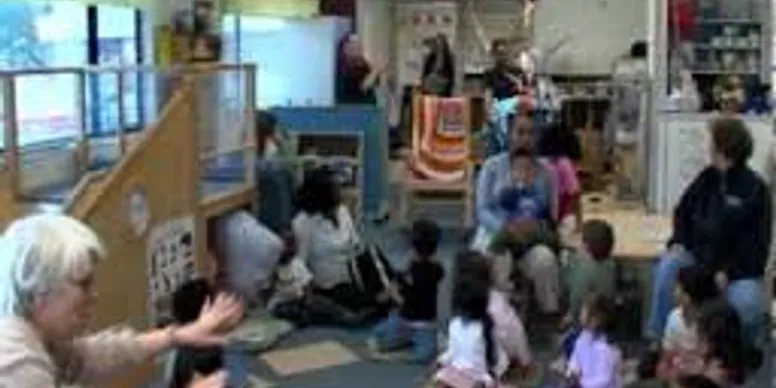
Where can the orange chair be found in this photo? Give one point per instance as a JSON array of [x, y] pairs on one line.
[[440, 158]]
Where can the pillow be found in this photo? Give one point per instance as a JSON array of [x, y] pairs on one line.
[[249, 253]]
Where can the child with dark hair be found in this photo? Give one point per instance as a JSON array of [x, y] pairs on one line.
[[415, 294], [560, 147], [188, 363], [694, 288], [474, 356], [591, 269], [595, 361], [523, 201], [728, 356]]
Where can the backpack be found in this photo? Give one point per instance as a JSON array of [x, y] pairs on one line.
[[370, 272]]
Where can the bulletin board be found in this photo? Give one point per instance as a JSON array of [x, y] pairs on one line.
[[415, 23]]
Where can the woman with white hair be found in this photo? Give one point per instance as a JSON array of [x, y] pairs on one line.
[[47, 269]]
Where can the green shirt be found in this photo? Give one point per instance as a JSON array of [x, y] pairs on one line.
[[585, 276]]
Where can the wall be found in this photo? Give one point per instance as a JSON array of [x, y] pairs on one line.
[[599, 31]]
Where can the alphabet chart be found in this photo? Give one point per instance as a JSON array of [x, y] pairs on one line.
[[170, 255]]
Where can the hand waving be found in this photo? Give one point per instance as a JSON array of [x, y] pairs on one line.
[[215, 320]]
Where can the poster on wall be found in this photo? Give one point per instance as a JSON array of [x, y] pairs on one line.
[[417, 23], [170, 254], [193, 33]]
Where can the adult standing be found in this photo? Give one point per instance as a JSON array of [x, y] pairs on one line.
[[356, 79], [48, 266], [722, 223], [539, 263], [439, 67], [504, 80]]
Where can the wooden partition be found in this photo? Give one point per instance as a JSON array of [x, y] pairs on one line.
[[168, 181]]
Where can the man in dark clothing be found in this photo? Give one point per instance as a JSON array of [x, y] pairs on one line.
[[504, 80], [722, 223]]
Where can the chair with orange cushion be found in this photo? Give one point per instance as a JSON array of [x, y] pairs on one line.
[[439, 160]]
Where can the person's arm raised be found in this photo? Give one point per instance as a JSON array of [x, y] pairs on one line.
[[98, 358]]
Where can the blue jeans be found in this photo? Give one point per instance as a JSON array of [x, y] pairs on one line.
[[747, 296], [395, 333]]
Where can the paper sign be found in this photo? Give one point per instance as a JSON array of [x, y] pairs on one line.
[[170, 255]]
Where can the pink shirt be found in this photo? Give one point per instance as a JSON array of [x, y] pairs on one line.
[[565, 177]]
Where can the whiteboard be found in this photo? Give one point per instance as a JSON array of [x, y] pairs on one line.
[[683, 151], [599, 32]]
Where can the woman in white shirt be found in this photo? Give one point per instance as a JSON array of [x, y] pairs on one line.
[[327, 239]]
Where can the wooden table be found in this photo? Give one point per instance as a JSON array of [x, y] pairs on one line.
[[638, 236]]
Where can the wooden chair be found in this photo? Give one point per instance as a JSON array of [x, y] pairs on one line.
[[439, 163]]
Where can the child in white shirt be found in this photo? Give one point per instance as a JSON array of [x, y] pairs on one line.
[[679, 353], [473, 356]]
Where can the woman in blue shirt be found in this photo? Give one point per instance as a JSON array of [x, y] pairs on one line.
[[539, 263]]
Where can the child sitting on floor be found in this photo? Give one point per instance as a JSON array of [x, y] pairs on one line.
[[474, 357], [728, 357], [415, 292], [189, 363], [591, 270], [292, 298], [680, 348], [595, 362]]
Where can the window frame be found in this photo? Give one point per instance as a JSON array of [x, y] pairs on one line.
[[92, 86]]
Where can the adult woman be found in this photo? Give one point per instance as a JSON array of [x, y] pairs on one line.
[[356, 79], [47, 274], [439, 67], [327, 239], [539, 262], [275, 175], [504, 80], [722, 223]]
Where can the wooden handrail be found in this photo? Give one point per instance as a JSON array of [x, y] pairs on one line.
[[180, 97], [80, 189]]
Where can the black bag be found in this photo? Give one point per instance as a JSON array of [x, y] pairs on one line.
[[371, 273]]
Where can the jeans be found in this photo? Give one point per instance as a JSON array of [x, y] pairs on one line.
[[395, 333], [747, 296]]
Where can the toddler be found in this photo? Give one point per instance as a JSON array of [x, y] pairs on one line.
[[188, 363], [728, 357], [595, 362], [695, 287], [523, 201], [415, 294], [473, 356]]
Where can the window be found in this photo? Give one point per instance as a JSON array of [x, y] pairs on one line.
[[44, 34], [117, 46]]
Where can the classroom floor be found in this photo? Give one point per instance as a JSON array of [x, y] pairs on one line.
[[326, 357]]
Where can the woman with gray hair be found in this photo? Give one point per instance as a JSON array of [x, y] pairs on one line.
[[47, 268]]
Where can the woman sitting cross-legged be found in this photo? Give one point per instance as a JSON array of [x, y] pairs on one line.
[[723, 224], [48, 265], [327, 242], [517, 209]]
